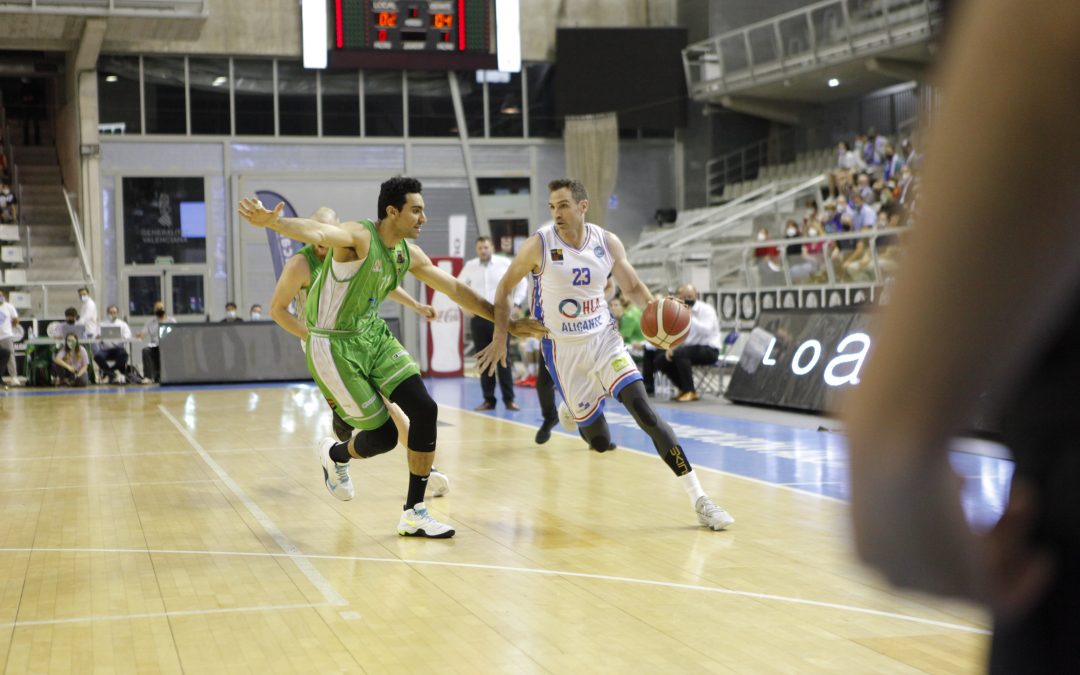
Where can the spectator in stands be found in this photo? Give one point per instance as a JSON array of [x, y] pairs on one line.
[[230, 313], [770, 270], [814, 253], [701, 347], [904, 192], [846, 165], [88, 313], [811, 212], [70, 325], [863, 215], [830, 217], [893, 163], [256, 313], [907, 150], [9, 208], [117, 352], [151, 355], [873, 153], [864, 189], [799, 265], [9, 320], [71, 363]]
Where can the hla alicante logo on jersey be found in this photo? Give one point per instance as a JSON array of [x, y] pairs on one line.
[[572, 309]]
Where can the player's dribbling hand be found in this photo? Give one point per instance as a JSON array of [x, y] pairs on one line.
[[488, 358], [528, 328], [253, 211]]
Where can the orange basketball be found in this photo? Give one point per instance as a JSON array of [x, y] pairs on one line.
[[665, 322]]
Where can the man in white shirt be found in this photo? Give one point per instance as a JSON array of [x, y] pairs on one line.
[[113, 351], [9, 319], [483, 274], [701, 347], [88, 314]]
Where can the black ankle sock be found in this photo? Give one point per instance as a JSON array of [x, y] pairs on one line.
[[417, 486], [340, 452]]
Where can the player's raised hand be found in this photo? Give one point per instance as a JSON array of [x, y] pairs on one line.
[[526, 328], [253, 211]]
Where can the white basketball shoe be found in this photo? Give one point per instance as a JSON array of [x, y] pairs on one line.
[[712, 516], [417, 522], [438, 484], [336, 476]]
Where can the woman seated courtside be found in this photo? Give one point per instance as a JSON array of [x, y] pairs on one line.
[[71, 363]]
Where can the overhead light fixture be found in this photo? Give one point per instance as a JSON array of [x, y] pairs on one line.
[[219, 80], [833, 82], [111, 78]]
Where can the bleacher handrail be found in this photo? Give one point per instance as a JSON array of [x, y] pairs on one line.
[[754, 209], [702, 215], [708, 54], [77, 229]]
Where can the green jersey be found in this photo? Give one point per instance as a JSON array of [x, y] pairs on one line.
[[349, 304], [314, 264]]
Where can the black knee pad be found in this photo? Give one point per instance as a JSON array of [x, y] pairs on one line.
[[422, 410], [597, 436], [376, 441]]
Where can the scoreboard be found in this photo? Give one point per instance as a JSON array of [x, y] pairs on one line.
[[414, 34]]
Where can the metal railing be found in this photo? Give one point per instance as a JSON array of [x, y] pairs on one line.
[[164, 9], [825, 32], [77, 229], [701, 216]]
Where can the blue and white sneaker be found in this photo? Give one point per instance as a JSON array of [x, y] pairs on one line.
[[417, 522], [438, 484], [336, 476]]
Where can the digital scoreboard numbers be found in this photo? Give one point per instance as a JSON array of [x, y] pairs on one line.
[[419, 34]]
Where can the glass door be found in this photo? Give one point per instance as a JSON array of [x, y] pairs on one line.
[[181, 288]]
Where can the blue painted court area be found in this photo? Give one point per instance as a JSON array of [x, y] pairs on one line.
[[801, 459]]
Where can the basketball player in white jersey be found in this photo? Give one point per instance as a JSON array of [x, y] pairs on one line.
[[570, 261]]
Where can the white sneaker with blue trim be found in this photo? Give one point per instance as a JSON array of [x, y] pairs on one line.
[[336, 476], [417, 522]]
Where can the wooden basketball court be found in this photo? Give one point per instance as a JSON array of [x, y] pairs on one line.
[[189, 531]]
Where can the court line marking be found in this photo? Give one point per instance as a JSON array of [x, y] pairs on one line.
[[161, 615], [69, 458], [532, 570], [643, 453], [110, 485], [292, 552]]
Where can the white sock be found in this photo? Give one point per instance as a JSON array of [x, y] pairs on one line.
[[692, 486], [530, 368]]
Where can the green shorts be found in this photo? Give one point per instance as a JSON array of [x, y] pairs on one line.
[[352, 369]]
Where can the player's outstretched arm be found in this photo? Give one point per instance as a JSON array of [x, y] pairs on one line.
[[402, 297], [465, 297], [292, 279], [625, 275], [527, 259], [300, 229]]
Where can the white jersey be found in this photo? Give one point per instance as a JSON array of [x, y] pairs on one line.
[[568, 291]]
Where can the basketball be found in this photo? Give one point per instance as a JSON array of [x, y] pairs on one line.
[[665, 322]]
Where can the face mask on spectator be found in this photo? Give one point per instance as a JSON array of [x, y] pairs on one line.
[[231, 314], [83, 296], [792, 232], [71, 344], [256, 316], [160, 314], [762, 236], [112, 316], [813, 232]]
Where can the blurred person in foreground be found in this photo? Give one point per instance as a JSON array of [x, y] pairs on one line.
[[977, 272]]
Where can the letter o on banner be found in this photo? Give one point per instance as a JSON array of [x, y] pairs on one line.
[[796, 361]]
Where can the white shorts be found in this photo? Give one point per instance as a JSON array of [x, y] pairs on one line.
[[588, 370]]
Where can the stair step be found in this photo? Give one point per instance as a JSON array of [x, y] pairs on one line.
[[35, 154], [49, 274], [45, 251]]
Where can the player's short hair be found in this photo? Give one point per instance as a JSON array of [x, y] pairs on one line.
[[482, 238], [393, 192], [576, 187]]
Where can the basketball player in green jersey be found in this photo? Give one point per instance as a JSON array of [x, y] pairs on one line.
[[351, 352], [292, 286]]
